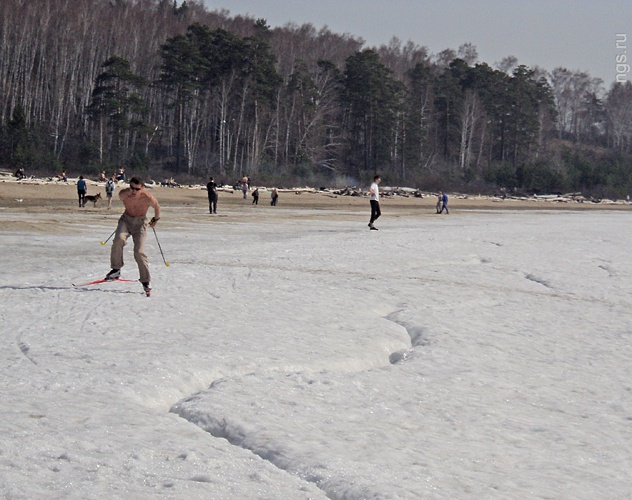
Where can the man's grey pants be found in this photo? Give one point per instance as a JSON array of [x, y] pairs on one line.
[[135, 227]]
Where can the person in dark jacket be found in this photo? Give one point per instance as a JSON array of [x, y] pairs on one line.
[[211, 187], [82, 189], [444, 203]]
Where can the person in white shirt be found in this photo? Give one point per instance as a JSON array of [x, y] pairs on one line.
[[375, 202]]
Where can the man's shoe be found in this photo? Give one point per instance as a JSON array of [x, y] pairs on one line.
[[373, 228], [113, 274]]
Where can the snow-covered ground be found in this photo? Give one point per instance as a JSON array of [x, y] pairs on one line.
[[475, 355]]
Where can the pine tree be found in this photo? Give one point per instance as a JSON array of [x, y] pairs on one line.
[[116, 103]]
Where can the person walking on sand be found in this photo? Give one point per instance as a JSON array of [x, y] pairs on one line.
[[444, 203], [255, 196], [211, 188], [82, 189], [109, 190], [133, 223], [374, 191], [274, 197]]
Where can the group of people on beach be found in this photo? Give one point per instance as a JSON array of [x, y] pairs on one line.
[[442, 203], [244, 185], [82, 188], [374, 192]]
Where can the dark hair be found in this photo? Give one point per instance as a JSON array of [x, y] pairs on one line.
[[137, 180], [376, 177]]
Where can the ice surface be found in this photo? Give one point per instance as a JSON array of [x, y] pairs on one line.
[[481, 354]]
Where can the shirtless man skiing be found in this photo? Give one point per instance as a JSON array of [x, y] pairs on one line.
[[133, 223]]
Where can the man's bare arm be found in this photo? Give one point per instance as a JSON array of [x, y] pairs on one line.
[[155, 205]]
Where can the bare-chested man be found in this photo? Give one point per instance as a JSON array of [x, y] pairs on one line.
[[133, 223]]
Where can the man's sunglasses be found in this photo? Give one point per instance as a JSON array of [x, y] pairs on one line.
[[135, 189]]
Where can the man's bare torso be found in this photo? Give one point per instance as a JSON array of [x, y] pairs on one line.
[[138, 202]]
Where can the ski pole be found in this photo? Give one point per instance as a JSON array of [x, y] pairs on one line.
[[104, 242], [161, 253]]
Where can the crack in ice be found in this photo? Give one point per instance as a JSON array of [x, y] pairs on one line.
[[236, 435], [539, 281]]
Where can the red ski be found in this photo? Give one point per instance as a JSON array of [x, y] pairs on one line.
[[103, 280]]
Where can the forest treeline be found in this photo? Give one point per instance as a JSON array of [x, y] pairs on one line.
[[165, 88]]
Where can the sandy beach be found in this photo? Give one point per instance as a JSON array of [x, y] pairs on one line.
[[55, 198]]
